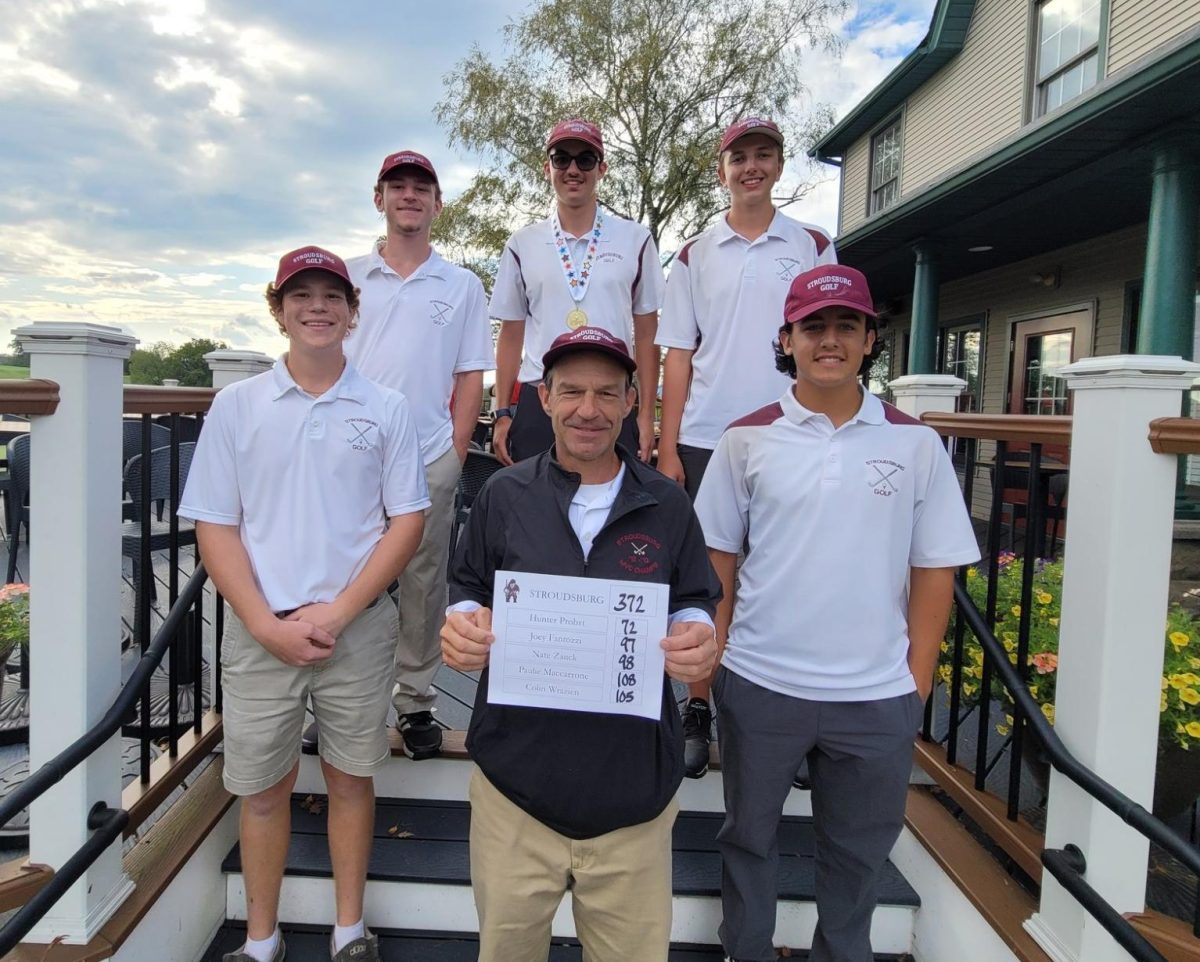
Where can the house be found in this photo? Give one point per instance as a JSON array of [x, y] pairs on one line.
[[1023, 191]]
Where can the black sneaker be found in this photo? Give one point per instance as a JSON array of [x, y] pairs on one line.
[[422, 736], [697, 733], [309, 740]]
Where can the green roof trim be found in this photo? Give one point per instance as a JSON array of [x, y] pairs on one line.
[[947, 33]]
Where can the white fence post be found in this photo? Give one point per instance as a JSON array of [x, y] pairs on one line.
[[230, 366], [75, 596], [917, 394], [1116, 575]]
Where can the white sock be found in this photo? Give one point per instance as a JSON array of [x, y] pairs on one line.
[[263, 949], [343, 935]]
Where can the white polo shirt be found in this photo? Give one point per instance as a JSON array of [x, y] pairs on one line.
[[835, 520], [626, 279], [308, 481], [414, 334], [724, 300]]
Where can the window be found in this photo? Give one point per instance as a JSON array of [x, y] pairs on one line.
[[885, 167], [960, 347], [1068, 54]]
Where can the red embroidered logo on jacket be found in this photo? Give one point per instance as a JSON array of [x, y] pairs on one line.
[[642, 551]]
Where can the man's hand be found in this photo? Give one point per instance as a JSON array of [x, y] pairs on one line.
[[670, 465], [296, 643], [328, 617], [500, 440], [691, 651], [924, 687], [467, 639], [645, 423], [461, 448]]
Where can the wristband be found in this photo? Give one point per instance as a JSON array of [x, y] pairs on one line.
[[502, 413]]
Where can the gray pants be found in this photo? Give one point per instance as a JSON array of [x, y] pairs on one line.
[[860, 756], [422, 594]]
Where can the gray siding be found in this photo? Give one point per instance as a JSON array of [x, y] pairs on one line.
[[1137, 27], [974, 101], [856, 179]]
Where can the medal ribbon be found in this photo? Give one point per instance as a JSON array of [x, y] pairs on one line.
[[577, 281]]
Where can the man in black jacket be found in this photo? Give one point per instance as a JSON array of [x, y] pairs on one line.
[[576, 799]]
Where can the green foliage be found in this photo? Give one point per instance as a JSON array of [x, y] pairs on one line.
[[662, 80], [185, 363], [14, 618], [17, 357], [1179, 708]]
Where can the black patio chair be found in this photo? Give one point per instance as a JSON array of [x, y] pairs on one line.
[[131, 447], [189, 427], [18, 499], [478, 467], [160, 531]]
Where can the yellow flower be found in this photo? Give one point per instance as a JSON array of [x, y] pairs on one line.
[[1179, 639], [1189, 696], [1008, 637], [1193, 729], [1177, 682], [1163, 686], [1192, 679], [1044, 597], [946, 674], [1179, 728], [969, 689], [945, 646], [972, 574], [1016, 610], [1162, 702], [1033, 690], [977, 656], [1194, 662], [1048, 711], [1010, 646], [1053, 622], [1009, 719], [1002, 729]]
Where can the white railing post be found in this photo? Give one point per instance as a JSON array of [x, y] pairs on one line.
[[917, 394], [75, 600], [1116, 574], [230, 366]]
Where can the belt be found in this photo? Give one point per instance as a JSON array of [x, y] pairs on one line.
[[387, 592]]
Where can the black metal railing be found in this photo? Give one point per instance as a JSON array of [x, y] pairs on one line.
[[105, 822], [1069, 863]]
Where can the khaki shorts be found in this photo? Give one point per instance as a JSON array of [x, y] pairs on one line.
[[265, 701]]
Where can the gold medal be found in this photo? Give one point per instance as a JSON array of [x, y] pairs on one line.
[[576, 319]]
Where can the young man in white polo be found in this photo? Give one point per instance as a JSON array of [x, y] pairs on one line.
[[723, 303], [424, 331], [308, 497], [582, 265], [830, 636]]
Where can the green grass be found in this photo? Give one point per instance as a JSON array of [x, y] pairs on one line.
[[13, 371]]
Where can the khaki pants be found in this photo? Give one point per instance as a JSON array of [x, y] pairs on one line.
[[422, 596], [620, 884]]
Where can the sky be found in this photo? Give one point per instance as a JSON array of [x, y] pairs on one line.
[[160, 155]]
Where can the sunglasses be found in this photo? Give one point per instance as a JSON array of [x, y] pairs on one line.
[[561, 160]]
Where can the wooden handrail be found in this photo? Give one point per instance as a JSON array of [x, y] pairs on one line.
[[20, 880], [167, 773], [1013, 428], [153, 399], [1018, 839], [1175, 435], [32, 395]]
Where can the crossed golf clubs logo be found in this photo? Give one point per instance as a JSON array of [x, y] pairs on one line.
[[787, 267], [883, 483], [441, 310], [639, 549], [362, 430]]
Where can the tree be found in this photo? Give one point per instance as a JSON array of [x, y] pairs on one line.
[[18, 356], [185, 363], [662, 80]]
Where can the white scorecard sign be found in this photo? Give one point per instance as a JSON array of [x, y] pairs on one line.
[[583, 644]]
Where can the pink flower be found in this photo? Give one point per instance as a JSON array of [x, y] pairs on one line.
[[1045, 662]]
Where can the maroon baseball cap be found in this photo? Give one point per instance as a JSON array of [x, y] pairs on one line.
[[830, 285], [588, 339], [576, 129], [406, 158], [310, 259], [750, 125]]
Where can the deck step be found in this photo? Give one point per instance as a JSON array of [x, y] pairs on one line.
[[420, 876], [310, 943]]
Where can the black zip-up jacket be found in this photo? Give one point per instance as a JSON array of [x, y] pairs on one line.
[[581, 773]]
